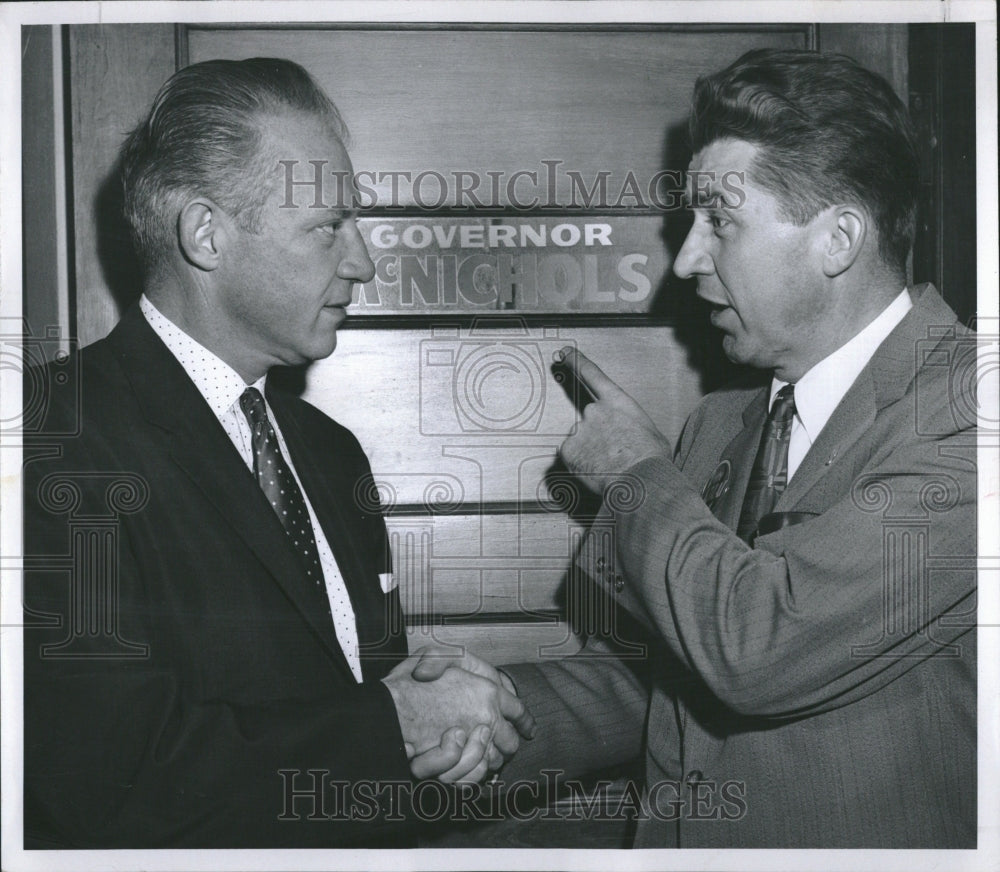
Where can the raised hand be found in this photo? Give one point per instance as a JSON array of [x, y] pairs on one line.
[[614, 432]]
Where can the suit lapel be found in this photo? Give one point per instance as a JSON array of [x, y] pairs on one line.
[[330, 494], [883, 381], [734, 463], [846, 430], [331, 490], [847, 434], [204, 453]]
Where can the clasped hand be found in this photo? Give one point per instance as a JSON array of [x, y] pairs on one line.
[[459, 717]]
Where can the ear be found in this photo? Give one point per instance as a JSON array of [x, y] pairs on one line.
[[200, 232], [845, 229]]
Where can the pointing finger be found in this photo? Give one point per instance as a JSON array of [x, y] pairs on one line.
[[588, 373]]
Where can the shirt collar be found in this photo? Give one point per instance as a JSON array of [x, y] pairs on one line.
[[820, 390], [216, 380]]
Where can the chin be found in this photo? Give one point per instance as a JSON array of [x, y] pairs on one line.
[[741, 355], [317, 347], [327, 347], [731, 349]]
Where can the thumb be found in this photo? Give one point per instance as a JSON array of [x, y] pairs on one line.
[[440, 758], [434, 662]]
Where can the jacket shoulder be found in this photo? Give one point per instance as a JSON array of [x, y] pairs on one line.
[[316, 425], [949, 373], [731, 399], [733, 396], [60, 395]]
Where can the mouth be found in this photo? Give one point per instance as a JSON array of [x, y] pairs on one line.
[[718, 312], [338, 311], [705, 295]]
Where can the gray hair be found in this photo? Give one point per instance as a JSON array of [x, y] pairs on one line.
[[203, 135]]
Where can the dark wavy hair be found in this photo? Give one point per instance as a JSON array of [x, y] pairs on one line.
[[203, 135], [829, 131]]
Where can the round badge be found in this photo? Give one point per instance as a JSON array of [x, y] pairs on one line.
[[718, 484]]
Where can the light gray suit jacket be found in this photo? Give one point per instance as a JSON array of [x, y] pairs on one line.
[[818, 689]]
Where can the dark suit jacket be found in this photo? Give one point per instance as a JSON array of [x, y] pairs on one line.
[[180, 678], [826, 675]]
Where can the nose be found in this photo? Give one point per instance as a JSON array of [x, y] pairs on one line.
[[356, 264], [694, 258]]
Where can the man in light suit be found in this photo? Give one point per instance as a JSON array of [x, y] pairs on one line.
[[804, 563], [214, 649]]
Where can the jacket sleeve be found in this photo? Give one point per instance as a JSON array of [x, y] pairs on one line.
[[590, 710], [819, 614]]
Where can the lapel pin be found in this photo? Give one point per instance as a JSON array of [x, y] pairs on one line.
[[717, 484]]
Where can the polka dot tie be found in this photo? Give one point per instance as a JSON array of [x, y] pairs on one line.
[[279, 486], [769, 476]]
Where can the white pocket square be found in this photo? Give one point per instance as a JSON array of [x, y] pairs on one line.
[[387, 581]]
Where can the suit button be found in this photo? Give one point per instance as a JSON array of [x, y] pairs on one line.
[[600, 564], [694, 776], [619, 584]]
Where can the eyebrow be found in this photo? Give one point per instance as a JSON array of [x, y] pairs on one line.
[[333, 213], [710, 199]]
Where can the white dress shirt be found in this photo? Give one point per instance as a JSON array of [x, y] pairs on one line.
[[820, 390], [222, 386]]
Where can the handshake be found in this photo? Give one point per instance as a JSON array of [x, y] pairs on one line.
[[459, 716]]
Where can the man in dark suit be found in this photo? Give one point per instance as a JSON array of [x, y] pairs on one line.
[[804, 563], [214, 651]]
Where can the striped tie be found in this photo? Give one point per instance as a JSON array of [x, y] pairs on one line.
[[769, 475]]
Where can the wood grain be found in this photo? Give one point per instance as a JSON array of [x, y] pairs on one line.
[[42, 154], [409, 419], [471, 565], [879, 47], [503, 101], [115, 72], [500, 643]]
